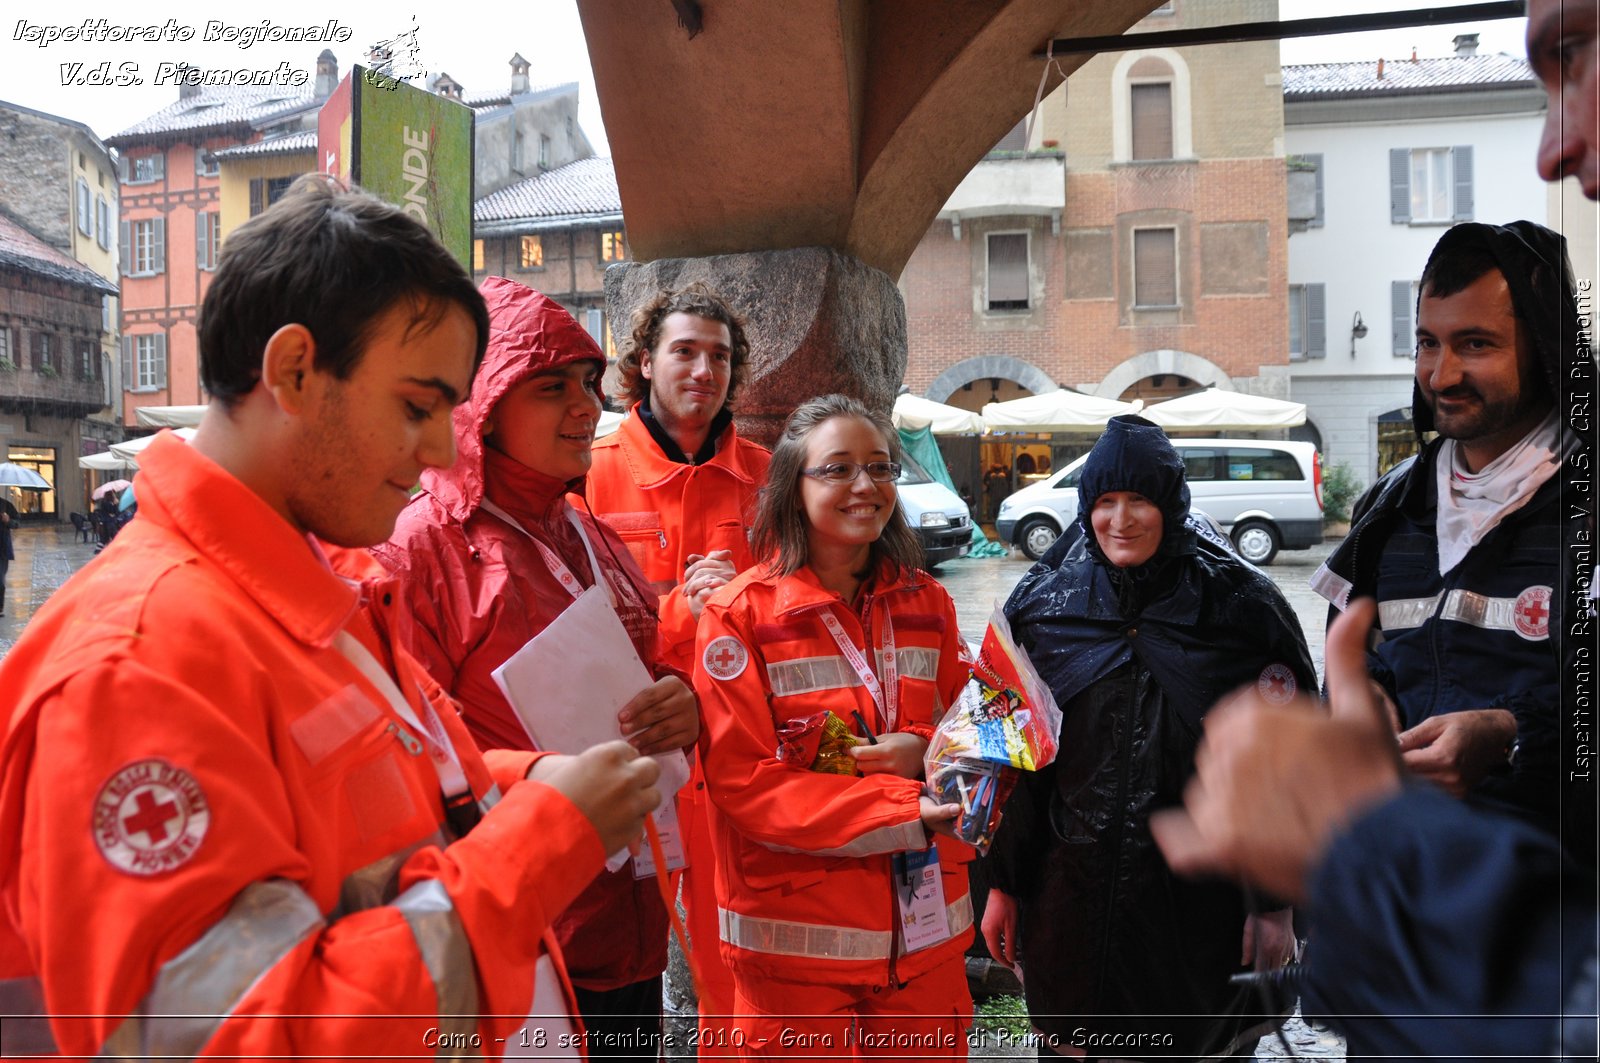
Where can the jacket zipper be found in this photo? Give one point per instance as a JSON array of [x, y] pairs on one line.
[[1116, 848]]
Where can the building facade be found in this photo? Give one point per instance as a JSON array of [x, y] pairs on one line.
[[58, 184], [1389, 154], [1132, 244]]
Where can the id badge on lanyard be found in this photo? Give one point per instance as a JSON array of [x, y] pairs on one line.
[[919, 889]]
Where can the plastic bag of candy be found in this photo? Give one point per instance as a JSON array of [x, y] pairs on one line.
[[1006, 720], [818, 743]]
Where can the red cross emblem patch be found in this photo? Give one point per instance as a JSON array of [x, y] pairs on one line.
[[1276, 683], [150, 817], [725, 658], [1531, 613]]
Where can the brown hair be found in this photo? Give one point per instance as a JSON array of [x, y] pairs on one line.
[[779, 535], [698, 300]]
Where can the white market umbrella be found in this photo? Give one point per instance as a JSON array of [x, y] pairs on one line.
[[169, 416], [609, 422], [12, 475], [1214, 410], [1054, 411], [913, 413], [129, 450], [105, 462]]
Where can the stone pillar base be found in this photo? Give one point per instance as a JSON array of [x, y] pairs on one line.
[[818, 320]]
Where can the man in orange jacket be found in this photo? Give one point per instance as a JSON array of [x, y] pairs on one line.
[[679, 485], [235, 818]]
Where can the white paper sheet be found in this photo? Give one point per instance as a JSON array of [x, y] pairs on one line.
[[569, 681]]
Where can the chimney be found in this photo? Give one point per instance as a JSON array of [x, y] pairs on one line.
[[327, 75], [1466, 43], [1413, 53], [1380, 68], [447, 86], [519, 75], [188, 82]]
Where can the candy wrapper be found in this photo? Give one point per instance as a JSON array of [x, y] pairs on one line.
[[818, 743], [1006, 720]]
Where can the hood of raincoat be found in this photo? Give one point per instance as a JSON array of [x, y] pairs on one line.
[[1533, 260], [1134, 454], [1210, 623], [528, 332]]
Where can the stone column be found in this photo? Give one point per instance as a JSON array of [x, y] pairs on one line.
[[818, 321]]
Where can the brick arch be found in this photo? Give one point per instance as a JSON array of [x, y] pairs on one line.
[[1004, 366], [1201, 370]]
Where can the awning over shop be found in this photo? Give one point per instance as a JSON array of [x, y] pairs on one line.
[[1054, 411], [1214, 410], [912, 412]]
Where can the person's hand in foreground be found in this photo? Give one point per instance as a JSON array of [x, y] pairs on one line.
[[1273, 783], [661, 717], [612, 785]]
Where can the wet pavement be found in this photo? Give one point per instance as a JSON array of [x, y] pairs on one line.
[[48, 555]]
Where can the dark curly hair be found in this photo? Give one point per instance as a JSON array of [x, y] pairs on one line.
[[695, 299]]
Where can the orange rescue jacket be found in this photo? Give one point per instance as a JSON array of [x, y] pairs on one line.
[[666, 510], [207, 809], [804, 880]]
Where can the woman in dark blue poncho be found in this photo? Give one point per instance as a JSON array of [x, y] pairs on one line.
[[1139, 619]]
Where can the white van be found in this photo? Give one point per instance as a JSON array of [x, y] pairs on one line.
[[936, 514], [1265, 493]]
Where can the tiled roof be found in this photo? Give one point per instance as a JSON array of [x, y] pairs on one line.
[[1401, 77], [584, 188], [219, 108], [20, 249], [291, 144], [481, 100]]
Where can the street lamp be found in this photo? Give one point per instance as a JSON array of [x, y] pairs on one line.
[[1358, 330]]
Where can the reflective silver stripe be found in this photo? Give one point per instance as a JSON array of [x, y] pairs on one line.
[[1479, 610], [25, 1030], [378, 882], [809, 674], [199, 988], [1464, 607], [894, 839], [782, 938], [442, 940], [1332, 586], [918, 662], [806, 675], [1406, 612]]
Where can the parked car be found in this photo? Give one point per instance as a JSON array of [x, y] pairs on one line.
[[937, 514], [1266, 494]]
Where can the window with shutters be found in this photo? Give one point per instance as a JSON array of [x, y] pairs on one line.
[[1008, 285], [144, 363], [531, 253], [147, 251], [1155, 268], [8, 352], [1403, 305], [1431, 186], [206, 164], [88, 359], [1151, 120], [265, 191], [207, 239], [102, 222], [146, 168], [44, 353], [85, 209], [1308, 326]]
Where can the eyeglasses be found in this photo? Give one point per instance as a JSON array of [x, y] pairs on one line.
[[845, 472]]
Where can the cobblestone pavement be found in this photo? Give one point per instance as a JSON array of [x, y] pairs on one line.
[[47, 555]]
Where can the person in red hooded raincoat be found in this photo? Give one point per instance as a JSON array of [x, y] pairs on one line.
[[486, 554]]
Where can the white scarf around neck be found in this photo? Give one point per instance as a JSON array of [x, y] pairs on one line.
[[1471, 505]]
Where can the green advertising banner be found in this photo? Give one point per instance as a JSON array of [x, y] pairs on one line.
[[409, 146]]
